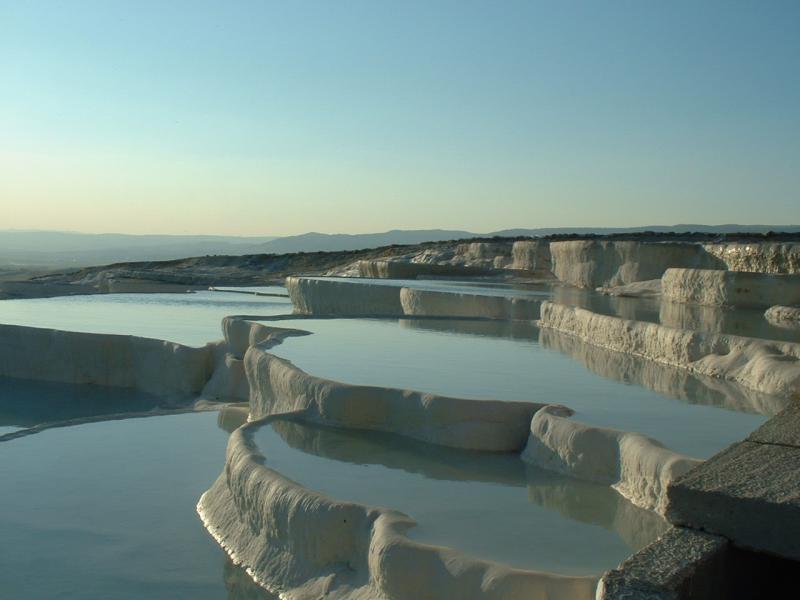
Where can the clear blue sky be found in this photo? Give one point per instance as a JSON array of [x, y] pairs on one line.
[[277, 118]]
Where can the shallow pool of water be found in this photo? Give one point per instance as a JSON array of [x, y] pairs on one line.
[[191, 318], [445, 357], [107, 510], [488, 505], [25, 404]]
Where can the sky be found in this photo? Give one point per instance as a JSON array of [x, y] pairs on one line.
[[277, 118]]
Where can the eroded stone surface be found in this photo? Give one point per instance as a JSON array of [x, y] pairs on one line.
[[784, 429], [729, 288], [681, 564], [750, 493]]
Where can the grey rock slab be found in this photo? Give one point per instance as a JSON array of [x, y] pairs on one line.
[[683, 563], [750, 493], [783, 428]]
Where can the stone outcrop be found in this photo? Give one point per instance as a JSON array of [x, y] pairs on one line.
[[532, 256], [682, 565], [764, 257], [594, 263], [729, 288], [402, 268], [749, 493]]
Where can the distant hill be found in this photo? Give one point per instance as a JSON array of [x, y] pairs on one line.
[[730, 228], [59, 249], [315, 242]]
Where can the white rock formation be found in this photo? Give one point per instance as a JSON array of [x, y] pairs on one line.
[[240, 333], [650, 288], [404, 268], [784, 316], [670, 381], [526, 257], [157, 367], [594, 263], [306, 545], [342, 298], [532, 256], [277, 386], [767, 257], [416, 302], [228, 382], [729, 288], [767, 366], [638, 467]]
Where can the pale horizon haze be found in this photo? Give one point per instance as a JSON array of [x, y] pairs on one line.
[[266, 118]]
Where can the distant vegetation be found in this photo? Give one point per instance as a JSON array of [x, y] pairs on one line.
[[59, 250]]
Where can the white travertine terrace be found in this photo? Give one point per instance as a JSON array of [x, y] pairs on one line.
[[532, 256], [399, 268], [762, 257], [416, 302], [762, 365], [584, 263], [595, 263], [637, 466], [161, 368], [784, 316], [306, 545], [342, 298], [649, 288], [729, 288], [277, 386], [667, 380]]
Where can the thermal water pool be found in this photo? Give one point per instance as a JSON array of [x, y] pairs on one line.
[[192, 318], [443, 356], [107, 510], [488, 505], [104, 516]]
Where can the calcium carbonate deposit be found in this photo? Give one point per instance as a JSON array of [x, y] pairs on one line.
[[396, 437]]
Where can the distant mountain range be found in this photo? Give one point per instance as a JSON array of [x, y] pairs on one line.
[[59, 249]]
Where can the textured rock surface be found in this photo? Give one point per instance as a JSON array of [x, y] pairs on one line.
[[592, 263], [161, 368], [683, 564], [241, 333], [784, 316], [532, 256], [334, 297], [641, 289], [750, 493], [306, 545], [729, 288], [765, 366], [417, 302], [228, 381], [277, 386], [345, 298], [638, 467], [758, 258], [668, 380], [403, 268]]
